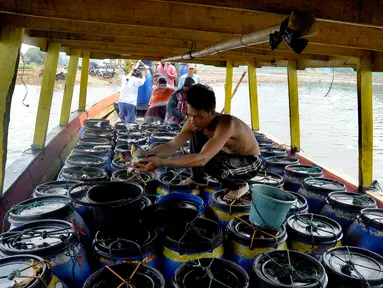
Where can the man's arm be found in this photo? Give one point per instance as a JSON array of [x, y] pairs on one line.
[[168, 149], [173, 72]]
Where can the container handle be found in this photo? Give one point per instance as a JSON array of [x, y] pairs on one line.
[[127, 241]]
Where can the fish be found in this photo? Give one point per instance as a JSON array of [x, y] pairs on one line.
[[138, 153]]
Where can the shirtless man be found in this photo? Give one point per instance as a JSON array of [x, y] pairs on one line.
[[221, 146]]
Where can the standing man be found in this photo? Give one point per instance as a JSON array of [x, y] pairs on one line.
[[176, 108], [221, 146], [191, 70], [158, 101], [129, 93], [169, 71]]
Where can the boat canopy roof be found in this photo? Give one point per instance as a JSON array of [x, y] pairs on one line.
[[155, 29]]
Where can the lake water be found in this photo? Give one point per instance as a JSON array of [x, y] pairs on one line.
[[329, 125]]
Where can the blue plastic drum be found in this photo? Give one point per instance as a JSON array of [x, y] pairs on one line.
[[202, 239], [367, 231], [300, 206], [295, 174], [344, 207], [184, 197], [55, 241], [161, 137], [83, 174], [105, 152], [171, 181], [53, 188], [277, 164], [133, 246], [48, 207], [29, 266], [86, 160], [316, 191], [213, 186]]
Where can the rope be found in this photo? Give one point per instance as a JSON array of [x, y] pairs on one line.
[[128, 281], [20, 207], [255, 230], [17, 274], [332, 82], [190, 227], [207, 272]]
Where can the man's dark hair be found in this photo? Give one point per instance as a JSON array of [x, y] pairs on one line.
[[201, 97], [189, 82], [162, 80]]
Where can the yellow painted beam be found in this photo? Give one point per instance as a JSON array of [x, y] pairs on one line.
[[253, 93], [10, 42], [69, 86], [365, 121], [292, 78], [84, 80], [228, 86], [46, 94]]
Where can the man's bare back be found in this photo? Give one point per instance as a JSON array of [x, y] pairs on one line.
[[242, 142]]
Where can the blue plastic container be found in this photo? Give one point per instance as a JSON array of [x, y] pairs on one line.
[[295, 174], [84, 174], [203, 239], [267, 178], [148, 181], [48, 207], [161, 137], [269, 205], [170, 182], [145, 91], [367, 231], [277, 164], [133, 246], [86, 160], [313, 234], [223, 211], [316, 190], [213, 186], [42, 270], [344, 207], [272, 151], [242, 249], [144, 276], [55, 241], [299, 207], [53, 188], [105, 152], [184, 197]]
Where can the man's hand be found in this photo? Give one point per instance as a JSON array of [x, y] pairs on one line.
[[147, 165]]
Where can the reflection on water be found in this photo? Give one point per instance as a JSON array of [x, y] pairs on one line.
[[22, 120], [329, 125]]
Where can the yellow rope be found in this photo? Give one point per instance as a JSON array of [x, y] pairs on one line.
[[122, 279], [35, 271]]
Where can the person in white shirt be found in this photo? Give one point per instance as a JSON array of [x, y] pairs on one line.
[[129, 93], [191, 70]]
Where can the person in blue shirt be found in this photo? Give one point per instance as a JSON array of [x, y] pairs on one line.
[[191, 70]]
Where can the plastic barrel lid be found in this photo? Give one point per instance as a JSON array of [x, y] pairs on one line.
[[239, 205], [119, 163], [372, 217], [101, 134], [54, 188], [198, 273], [323, 184], [301, 203], [124, 243], [18, 263], [42, 238], [281, 160], [315, 227], [163, 136], [200, 235], [174, 178], [354, 265], [84, 174], [41, 207], [242, 232], [351, 200], [273, 151], [163, 214], [267, 178], [92, 149], [77, 193], [145, 276], [123, 175], [288, 268], [86, 160], [304, 170], [93, 141], [96, 121]]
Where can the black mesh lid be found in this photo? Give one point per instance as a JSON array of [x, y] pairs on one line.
[[354, 266], [304, 170], [210, 272], [84, 174], [86, 160], [315, 227]]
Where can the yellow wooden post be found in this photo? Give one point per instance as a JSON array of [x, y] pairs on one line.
[[228, 86], [84, 80], [69, 86], [292, 78], [253, 93], [46, 94], [10, 42], [365, 121]]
